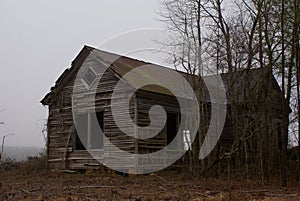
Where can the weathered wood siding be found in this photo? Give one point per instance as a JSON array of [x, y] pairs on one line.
[[62, 132], [61, 144], [145, 100], [60, 128]]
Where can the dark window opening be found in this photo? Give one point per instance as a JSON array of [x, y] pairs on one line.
[[89, 131], [96, 131], [171, 127], [81, 127]]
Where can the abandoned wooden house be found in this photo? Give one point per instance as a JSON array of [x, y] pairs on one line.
[[66, 149]]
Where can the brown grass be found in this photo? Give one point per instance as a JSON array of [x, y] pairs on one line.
[[30, 181]]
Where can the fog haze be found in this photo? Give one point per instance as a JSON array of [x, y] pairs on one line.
[[39, 39]]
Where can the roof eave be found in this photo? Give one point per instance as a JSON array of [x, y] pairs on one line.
[[59, 83]]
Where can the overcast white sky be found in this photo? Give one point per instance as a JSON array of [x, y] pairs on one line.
[[40, 38]]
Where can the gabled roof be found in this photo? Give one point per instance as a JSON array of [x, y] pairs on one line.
[[121, 65]]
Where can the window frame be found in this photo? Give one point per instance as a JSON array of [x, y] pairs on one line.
[[88, 133], [83, 80]]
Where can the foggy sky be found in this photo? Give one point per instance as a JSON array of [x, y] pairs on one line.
[[39, 39]]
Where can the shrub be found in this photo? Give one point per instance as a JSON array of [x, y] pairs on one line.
[[35, 163]]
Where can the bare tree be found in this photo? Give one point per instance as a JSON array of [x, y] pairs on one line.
[[295, 60], [251, 35], [183, 20]]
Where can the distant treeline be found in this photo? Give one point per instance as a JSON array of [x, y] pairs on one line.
[[21, 153]]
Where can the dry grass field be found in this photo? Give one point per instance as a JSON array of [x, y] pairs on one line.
[[31, 182]]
